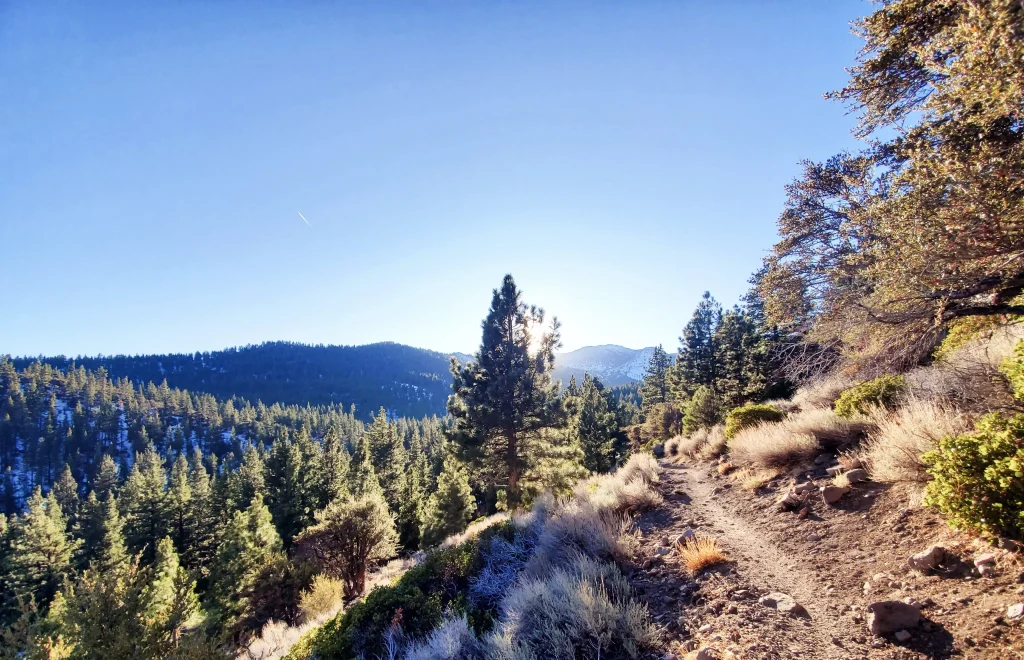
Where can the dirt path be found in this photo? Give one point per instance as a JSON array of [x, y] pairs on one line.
[[832, 563]]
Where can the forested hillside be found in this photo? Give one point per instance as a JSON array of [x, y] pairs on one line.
[[407, 381]]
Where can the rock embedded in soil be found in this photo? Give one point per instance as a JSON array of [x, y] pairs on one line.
[[857, 475], [832, 494], [1015, 611], [783, 603], [888, 616], [902, 636], [926, 560]]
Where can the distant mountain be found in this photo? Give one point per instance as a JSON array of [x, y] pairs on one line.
[[407, 381], [613, 365]]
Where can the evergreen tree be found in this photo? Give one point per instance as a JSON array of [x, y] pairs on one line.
[[201, 518], [504, 399], [364, 477], [655, 387], [249, 544], [248, 481], [179, 505], [703, 410], [451, 506], [388, 454], [40, 551], [335, 469], [594, 426], [105, 482], [103, 535], [169, 598], [65, 492], [697, 362], [144, 504]]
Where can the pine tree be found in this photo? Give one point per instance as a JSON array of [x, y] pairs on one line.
[[249, 544], [655, 388], [248, 481], [179, 505], [504, 400], [40, 551], [106, 479], [451, 506], [334, 469], [594, 426], [388, 454], [364, 477], [144, 505], [65, 492], [169, 598], [697, 362], [201, 518], [284, 489]]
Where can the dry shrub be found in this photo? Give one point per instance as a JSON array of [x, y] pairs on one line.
[[841, 480], [644, 466], [581, 528], [452, 640], [715, 445], [584, 609], [894, 448], [822, 392], [474, 529], [690, 445], [700, 552], [796, 439], [725, 467], [968, 377], [672, 446], [322, 598], [752, 478]]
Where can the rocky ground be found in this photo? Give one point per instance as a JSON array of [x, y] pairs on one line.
[[808, 579]]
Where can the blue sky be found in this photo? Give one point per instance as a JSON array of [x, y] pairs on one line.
[[617, 158]]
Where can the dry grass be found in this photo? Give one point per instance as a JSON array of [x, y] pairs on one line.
[[474, 528], [725, 467], [893, 450], [821, 392], [794, 440], [751, 478], [715, 444], [701, 552], [672, 446], [968, 377], [841, 480]]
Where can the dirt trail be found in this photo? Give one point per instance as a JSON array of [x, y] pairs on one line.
[[833, 563]]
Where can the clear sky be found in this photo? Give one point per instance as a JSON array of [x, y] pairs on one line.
[[618, 158]]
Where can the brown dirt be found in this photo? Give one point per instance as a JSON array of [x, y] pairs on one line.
[[834, 563]]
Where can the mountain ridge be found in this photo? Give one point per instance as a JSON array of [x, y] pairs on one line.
[[405, 380]]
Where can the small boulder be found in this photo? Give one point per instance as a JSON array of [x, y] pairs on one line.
[[824, 458], [832, 494], [857, 475], [783, 603], [789, 501], [888, 616], [1015, 611], [987, 558], [805, 487], [663, 550], [926, 560], [687, 535], [833, 471], [705, 653]]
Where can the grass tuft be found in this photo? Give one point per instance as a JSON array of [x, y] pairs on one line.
[[700, 553]]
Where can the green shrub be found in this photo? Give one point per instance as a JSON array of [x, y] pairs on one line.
[[748, 415], [1013, 369], [979, 477], [963, 330], [883, 391], [419, 600]]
